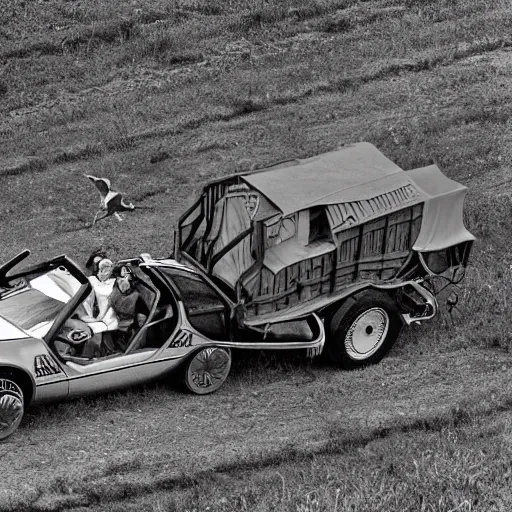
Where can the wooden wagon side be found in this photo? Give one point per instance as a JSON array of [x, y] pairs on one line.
[[373, 251]]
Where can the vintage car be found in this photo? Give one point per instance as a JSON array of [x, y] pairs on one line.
[[346, 235], [189, 328]]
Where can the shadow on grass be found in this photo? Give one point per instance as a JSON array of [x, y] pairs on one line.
[[20, 166]]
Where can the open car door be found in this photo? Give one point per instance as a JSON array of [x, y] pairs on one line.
[[40, 298]]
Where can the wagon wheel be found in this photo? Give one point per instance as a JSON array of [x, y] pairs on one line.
[[207, 370], [363, 330], [12, 406]]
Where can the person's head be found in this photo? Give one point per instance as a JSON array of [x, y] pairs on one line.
[[104, 269], [124, 278], [94, 259]]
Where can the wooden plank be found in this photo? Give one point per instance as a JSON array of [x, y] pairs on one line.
[[272, 298], [344, 280], [267, 281], [315, 277], [346, 267], [374, 264], [385, 241], [207, 205], [327, 271], [379, 258], [293, 275], [417, 211], [305, 292], [334, 259], [372, 246], [400, 216], [416, 226], [357, 253], [278, 284], [315, 280], [347, 241], [345, 273]]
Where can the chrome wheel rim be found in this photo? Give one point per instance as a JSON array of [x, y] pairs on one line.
[[367, 333], [11, 407], [208, 370]]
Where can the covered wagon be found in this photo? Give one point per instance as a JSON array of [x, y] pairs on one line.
[[347, 235]]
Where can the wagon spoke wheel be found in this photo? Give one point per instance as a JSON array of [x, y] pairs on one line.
[[207, 370], [11, 407]]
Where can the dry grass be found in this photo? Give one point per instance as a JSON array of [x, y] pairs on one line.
[[162, 97], [448, 469], [435, 459]]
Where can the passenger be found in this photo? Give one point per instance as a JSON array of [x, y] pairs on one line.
[[94, 259], [128, 306], [105, 319]]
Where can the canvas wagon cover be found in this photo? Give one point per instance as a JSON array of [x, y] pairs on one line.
[[353, 173], [358, 183], [443, 223]]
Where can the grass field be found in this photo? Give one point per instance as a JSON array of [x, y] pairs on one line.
[[161, 96]]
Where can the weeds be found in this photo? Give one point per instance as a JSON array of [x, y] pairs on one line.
[[340, 24], [159, 156], [405, 465], [119, 138], [77, 152], [248, 106]]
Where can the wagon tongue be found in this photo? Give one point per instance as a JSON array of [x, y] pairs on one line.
[[4, 269]]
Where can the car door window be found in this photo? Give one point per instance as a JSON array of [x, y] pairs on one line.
[[205, 309]]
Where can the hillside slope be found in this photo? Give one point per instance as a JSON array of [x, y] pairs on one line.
[[161, 96]]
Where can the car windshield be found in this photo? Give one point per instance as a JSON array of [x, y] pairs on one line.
[[34, 303]]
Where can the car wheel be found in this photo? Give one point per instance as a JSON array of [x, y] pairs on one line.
[[363, 330], [12, 406], [207, 369]]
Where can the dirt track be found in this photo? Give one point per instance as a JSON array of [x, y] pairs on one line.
[[139, 447]]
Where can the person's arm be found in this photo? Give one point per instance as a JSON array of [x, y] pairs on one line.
[[86, 308], [103, 311]]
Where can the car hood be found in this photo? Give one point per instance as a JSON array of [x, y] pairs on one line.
[[10, 332]]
